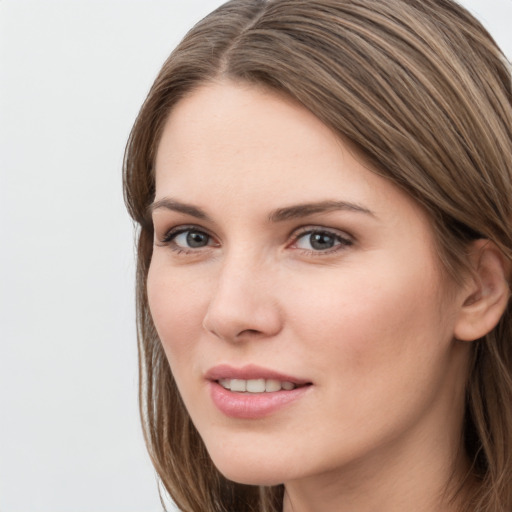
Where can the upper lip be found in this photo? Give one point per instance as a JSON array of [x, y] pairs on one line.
[[248, 372]]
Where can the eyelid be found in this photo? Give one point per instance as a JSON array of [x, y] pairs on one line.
[[315, 228], [345, 238], [173, 232]]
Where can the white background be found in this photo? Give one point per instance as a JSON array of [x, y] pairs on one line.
[[73, 75]]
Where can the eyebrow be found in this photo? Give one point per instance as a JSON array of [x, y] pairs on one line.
[[177, 206], [304, 210], [279, 215]]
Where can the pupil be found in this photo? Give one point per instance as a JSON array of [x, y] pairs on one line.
[[196, 239], [321, 241]]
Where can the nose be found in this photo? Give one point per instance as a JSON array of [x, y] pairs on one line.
[[244, 303]]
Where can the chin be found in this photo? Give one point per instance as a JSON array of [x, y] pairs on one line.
[[245, 469], [249, 475]]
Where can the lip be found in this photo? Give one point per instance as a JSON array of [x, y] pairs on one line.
[[251, 371], [248, 405]]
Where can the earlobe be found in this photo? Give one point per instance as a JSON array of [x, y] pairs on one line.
[[486, 294]]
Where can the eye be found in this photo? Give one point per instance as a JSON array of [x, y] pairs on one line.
[[187, 238], [192, 239], [317, 240]]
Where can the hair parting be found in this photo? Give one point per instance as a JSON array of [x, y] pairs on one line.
[[422, 92]]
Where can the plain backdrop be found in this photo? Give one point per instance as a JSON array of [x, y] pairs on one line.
[[73, 75]]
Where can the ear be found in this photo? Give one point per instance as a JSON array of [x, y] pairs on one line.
[[486, 293]]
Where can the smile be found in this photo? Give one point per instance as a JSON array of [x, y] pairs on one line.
[[253, 392], [256, 385]]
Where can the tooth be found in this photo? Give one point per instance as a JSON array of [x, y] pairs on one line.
[[256, 385], [225, 383], [288, 386], [272, 385], [239, 385]]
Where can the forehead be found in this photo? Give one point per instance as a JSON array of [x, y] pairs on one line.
[[235, 132], [240, 145], [225, 118]]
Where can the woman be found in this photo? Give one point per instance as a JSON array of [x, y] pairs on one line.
[[323, 194]]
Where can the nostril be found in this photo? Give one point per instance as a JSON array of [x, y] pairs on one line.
[[241, 317], [249, 331]]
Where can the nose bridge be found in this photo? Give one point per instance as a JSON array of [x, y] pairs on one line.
[[242, 301]]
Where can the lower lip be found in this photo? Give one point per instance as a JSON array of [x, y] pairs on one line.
[[250, 406]]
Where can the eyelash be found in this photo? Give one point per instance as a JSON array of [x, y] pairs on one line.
[[171, 235], [341, 241]]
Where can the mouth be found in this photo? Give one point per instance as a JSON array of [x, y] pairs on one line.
[[253, 392], [257, 385], [253, 379]]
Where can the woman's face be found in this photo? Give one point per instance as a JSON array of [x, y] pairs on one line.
[[282, 266]]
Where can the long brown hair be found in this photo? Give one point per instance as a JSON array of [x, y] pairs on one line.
[[423, 92]]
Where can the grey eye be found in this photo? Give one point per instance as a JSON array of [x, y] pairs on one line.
[[191, 239], [322, 241], [317, 241]]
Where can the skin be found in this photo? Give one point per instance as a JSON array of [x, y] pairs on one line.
[[369, 322]]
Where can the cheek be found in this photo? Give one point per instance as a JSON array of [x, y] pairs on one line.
[[376, 347], [366, 320], [177, 309]]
